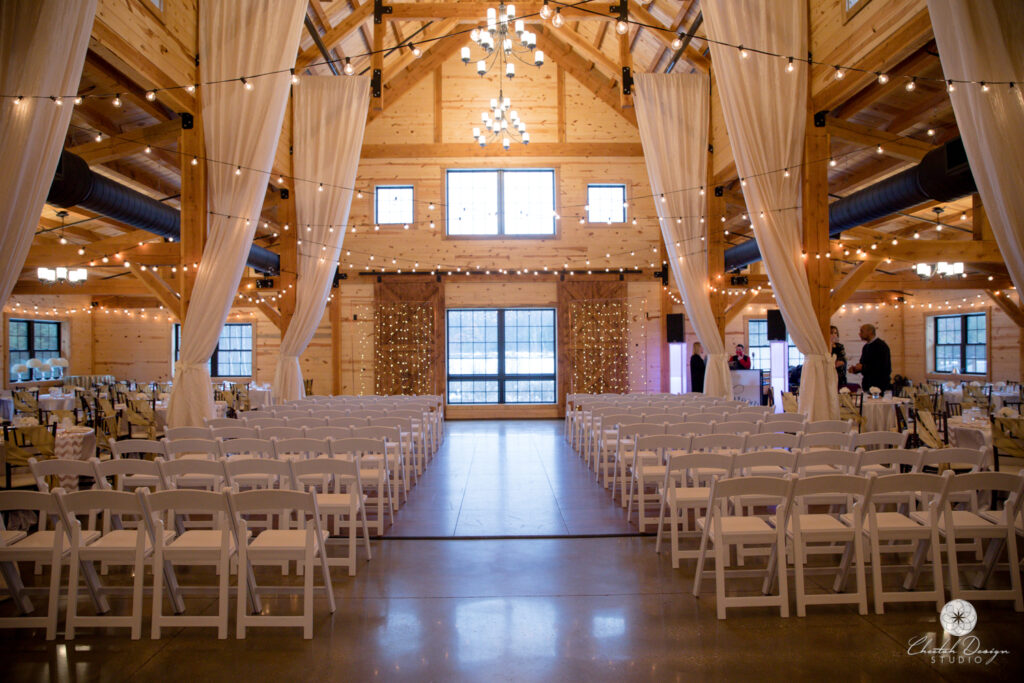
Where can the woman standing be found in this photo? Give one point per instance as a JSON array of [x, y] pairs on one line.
[[697, 366], [839, 351]]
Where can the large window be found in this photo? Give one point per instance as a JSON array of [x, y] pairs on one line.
[[960, 344], [392, 204], [233, 355], [757, 347], [501, 356], [606, 203], [29, 339], [516, 202]]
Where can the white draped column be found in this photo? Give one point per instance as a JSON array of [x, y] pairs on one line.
[[329, 116], [672, 113], [764, 106], [241, 124], [32, 129], [977, 41]]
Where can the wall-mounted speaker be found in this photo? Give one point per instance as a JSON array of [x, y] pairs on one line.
[[776, 326], [674, 328]]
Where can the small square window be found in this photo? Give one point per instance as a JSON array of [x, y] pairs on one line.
[[606, 203], [393, 204]]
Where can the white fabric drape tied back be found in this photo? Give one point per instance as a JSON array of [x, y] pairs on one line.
[[764, 108], [329, 117], [717, 372], [672, 114]]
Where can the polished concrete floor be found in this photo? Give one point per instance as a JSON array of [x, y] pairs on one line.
[[522, 609]]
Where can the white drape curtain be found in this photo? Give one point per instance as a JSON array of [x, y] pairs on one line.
[[672, 112], [241, 127], [32, 131], [329, 116], [765, 113], [977, 41]]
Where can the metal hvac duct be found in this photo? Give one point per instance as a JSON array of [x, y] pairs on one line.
[[75, 184], [942, 175]]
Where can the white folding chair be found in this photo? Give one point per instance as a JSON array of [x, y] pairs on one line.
[[329, 432], [372, 455], [769, 440], [884, 529], [877, 440], [273, 546], [688, 428], [394, 462], [648, 468], [339, 494], [723, 530], [306, 422], [995, 526], [829, 426], [790, 426], [281, 433], [234, 432], [624, 457], [734, 427], [119, 546], [257, 420], [218, 422], [213, 547], [682, 493], [143, 448], [40, 547], [830, 534], [828, 440]]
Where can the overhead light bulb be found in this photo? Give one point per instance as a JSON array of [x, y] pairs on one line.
[[558, 21], [621, 27], [912, 85], [348, 68], [790, 66], [677, 43], [150, 95], [883, 79], [190, 89], [545, 10], [247, 84], [416, 51], [78, 100], [840, 74], [116, 101]]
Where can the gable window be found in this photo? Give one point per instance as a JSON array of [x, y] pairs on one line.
[[392, 204], [232, 356], [501, 202], [29, 339], [960, 344], [606, 203]]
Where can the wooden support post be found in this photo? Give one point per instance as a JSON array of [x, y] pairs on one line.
[[193, 207], [815, 217], [560, 81], [626, 60], [334, 311], [438, 104], [979, 219], [377, 65], [715, 239], [288, 247], [849, 284]]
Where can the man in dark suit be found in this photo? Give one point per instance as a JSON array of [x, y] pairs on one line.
[[875, 364]]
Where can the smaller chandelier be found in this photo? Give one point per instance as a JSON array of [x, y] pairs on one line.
[[501, 122], [942, 269], [62, 274]]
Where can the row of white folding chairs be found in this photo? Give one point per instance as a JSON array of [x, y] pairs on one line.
[[413, 449], [727, 523], [384, 470], [635, 465], [604, 454], [158, 544]]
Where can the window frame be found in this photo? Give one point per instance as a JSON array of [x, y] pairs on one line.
[[376, 203], [791, 348], [501, 376], [963, 344], [501, 234], [31, 349], [214, 360], [622, 204]]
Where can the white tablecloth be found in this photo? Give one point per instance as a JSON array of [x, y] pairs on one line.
[[260, 398], [221, 408], [998, 397], [78, 443], [880, 415], [48, 402]]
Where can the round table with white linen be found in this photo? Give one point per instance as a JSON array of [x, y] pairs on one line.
[[880, 413], [968, 432], [49, 402], [997, 398], [260, 398]]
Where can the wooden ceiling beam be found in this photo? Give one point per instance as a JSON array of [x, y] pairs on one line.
[[128, 143], [428, 40], [875, 91], [851, 282], [127, 88], [665, 36], [335, 35], [586, 49], [449, 150], [476, 10], [1013, 310], [164, 293], [930, 251], [870, 173], [892, 145]]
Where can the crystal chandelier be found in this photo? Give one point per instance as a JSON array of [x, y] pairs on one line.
[[504, 41], [62, 274]]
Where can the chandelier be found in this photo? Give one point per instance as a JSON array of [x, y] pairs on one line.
[[504, 41], [62, 274]]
